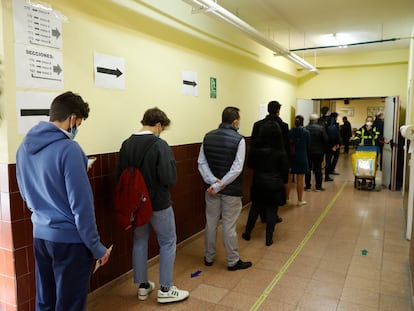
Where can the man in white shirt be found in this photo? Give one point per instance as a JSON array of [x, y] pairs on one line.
[[220, 163]]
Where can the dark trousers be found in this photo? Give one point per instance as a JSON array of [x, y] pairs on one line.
[[331, 159], [315, 165], [62, 272], [335, 159], [346, 144], [269, 211]]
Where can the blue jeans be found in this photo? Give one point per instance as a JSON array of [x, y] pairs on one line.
[[62, 275], [163, 223]]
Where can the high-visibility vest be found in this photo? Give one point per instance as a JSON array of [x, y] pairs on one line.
[[367, 138]]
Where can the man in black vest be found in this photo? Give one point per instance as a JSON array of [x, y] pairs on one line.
[[220, 163]]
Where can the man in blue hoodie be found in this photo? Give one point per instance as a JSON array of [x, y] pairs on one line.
[[52, 177]]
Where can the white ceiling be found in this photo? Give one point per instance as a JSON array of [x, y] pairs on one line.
[[298, 24]]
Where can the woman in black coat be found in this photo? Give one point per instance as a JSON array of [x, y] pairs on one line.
[[270, 164]]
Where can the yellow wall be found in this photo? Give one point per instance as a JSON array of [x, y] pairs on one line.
[[360, 110], [158, 40], [376, 74], [155, 56]]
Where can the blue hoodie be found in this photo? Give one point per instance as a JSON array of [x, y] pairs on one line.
[[52, 178]]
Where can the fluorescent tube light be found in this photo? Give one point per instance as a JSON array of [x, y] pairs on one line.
[[212, 8]]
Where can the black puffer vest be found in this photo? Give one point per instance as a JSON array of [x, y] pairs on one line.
[[220, 148]]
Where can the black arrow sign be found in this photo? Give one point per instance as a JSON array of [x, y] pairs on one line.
[[193, 83], [57, 69], [34, 112], [55, 33], [108, 71]]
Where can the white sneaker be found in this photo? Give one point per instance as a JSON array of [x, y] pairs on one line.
[[302, 203], [144, 292], [174, 294]]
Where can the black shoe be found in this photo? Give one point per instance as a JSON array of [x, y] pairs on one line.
[[328, 178], [207, 263], [240, 265], [246, 236], [334, 173], [279, 219], [269, 242]]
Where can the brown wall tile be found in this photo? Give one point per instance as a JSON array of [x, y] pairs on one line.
[[21, 258], [6, 240], [24, 285], [188, 202], [22, 233], [8, 291], [7, 263], [17, 207], [13, 187]]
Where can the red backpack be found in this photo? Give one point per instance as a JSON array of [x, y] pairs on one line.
[[132, 201]]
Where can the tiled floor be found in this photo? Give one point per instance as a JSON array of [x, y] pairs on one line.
[[316, 263]]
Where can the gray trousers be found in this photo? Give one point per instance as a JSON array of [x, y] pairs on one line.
[[228, 208]]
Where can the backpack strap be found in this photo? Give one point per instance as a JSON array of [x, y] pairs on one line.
[[147, 147]]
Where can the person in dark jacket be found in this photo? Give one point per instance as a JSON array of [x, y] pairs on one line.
[[269, 162], [325, 116], [52, 177], [220, 163], [332, 152], [346, 133], [317, 147], [273, 109], [159, 172], [379, 126], [367, 135], [299, 163]]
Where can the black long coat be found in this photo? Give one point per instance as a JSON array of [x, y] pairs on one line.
[[268, 159]]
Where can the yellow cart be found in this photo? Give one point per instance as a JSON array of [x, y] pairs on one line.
[[364, 166]]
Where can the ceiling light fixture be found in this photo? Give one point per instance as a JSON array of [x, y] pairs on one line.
[[212, 8], [348, 45], [340, 45]]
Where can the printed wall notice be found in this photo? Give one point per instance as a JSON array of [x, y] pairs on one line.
[[109, 71], [189, 83], [38, 68], [32, 107], [37, 24]]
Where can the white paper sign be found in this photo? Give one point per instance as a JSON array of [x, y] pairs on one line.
[[32, 107], [262, 111], [189, 83], [38, 68], [35, 24], [109, 71]]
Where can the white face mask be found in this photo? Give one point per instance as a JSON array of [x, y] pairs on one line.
[[369, 123]]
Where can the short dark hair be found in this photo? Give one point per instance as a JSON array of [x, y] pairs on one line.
[[299, 120], [230, 114], [273, 107], [66, 104], [324, 110], [155, 115]]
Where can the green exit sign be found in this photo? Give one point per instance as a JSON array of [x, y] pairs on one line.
[[213, 87]]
